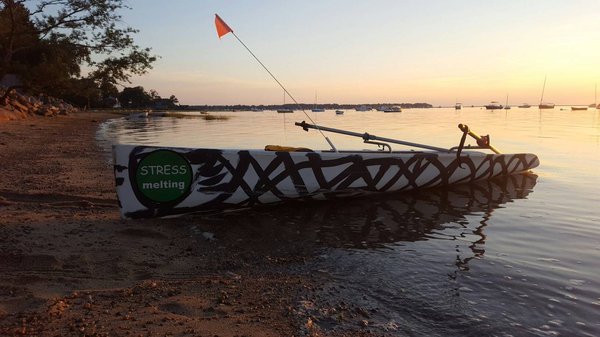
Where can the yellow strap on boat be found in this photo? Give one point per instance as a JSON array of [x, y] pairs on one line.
[[280, 148]]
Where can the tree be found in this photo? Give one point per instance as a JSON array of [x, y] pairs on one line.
[[135, 97], [37, 33]]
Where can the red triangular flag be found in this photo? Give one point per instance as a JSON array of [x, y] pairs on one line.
[[222, 27]]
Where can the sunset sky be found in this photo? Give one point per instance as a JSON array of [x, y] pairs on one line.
[[438, 52]]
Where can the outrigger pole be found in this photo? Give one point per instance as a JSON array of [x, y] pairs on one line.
[[223, 28], [368, 138], [483, 142]]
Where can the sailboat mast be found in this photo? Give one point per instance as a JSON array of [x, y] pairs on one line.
[[543, 88]]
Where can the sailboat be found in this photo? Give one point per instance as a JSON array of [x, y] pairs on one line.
[[506, 107], [542, 104], [283, 109], [457, 106], [315, 109]]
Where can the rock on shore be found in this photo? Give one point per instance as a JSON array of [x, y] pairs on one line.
[[19, 106]]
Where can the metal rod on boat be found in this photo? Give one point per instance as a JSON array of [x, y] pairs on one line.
[[367, 136], [223, 28], [480, 141]]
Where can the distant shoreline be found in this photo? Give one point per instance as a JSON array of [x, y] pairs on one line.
[[301, 106]]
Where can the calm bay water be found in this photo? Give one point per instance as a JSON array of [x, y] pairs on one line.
[[517, 256]]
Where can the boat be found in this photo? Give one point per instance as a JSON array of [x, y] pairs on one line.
[[392, 109], [546, 106], [524, 106], [154, 181], [493, 106], [339, 112], [283, 109], [579, 108], [138, 115], [317, 109], [458, 106], [506, 107], [543, 105]]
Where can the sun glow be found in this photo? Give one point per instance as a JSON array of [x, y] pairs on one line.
[[355, 53]]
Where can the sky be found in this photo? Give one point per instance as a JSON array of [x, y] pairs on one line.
[[333, 51]]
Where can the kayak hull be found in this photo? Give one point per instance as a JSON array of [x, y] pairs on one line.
[[169, 181]]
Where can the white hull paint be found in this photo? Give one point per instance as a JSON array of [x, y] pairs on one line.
[[160, 181]]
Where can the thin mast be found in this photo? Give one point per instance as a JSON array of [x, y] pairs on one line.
[[543, 88], [229, 30]]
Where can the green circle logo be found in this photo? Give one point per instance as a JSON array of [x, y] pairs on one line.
[[163, 176]]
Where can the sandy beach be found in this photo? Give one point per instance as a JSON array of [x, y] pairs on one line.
[[69, 266]]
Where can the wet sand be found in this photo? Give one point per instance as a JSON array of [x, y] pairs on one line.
[[69, 266]]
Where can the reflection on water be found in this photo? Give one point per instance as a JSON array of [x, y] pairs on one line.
[[484, 259], [379, 220], [370, 246]]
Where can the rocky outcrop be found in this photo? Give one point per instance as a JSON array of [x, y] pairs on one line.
[[19, 106]]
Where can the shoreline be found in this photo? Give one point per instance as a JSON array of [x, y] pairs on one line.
[[69, 265]]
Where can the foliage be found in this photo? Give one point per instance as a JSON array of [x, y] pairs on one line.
[[49, 42], [137, 98], [134, 97]]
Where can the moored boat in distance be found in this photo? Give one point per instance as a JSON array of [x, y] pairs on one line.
[[524, 106], [317, 109], [506, 106], [392, 109], [458, 106], [546, 106], [543, 105], [339, 112], [493, 106], [154, 181], [137, 115], [579, 108], [283, 109]]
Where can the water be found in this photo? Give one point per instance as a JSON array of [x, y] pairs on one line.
[[517, 256]]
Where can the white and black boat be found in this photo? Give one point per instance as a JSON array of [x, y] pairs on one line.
[[154, 181]]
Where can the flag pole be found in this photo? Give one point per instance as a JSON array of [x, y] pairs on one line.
[[229, 30]]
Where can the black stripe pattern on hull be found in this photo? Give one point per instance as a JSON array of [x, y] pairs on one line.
[[229, 178]]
